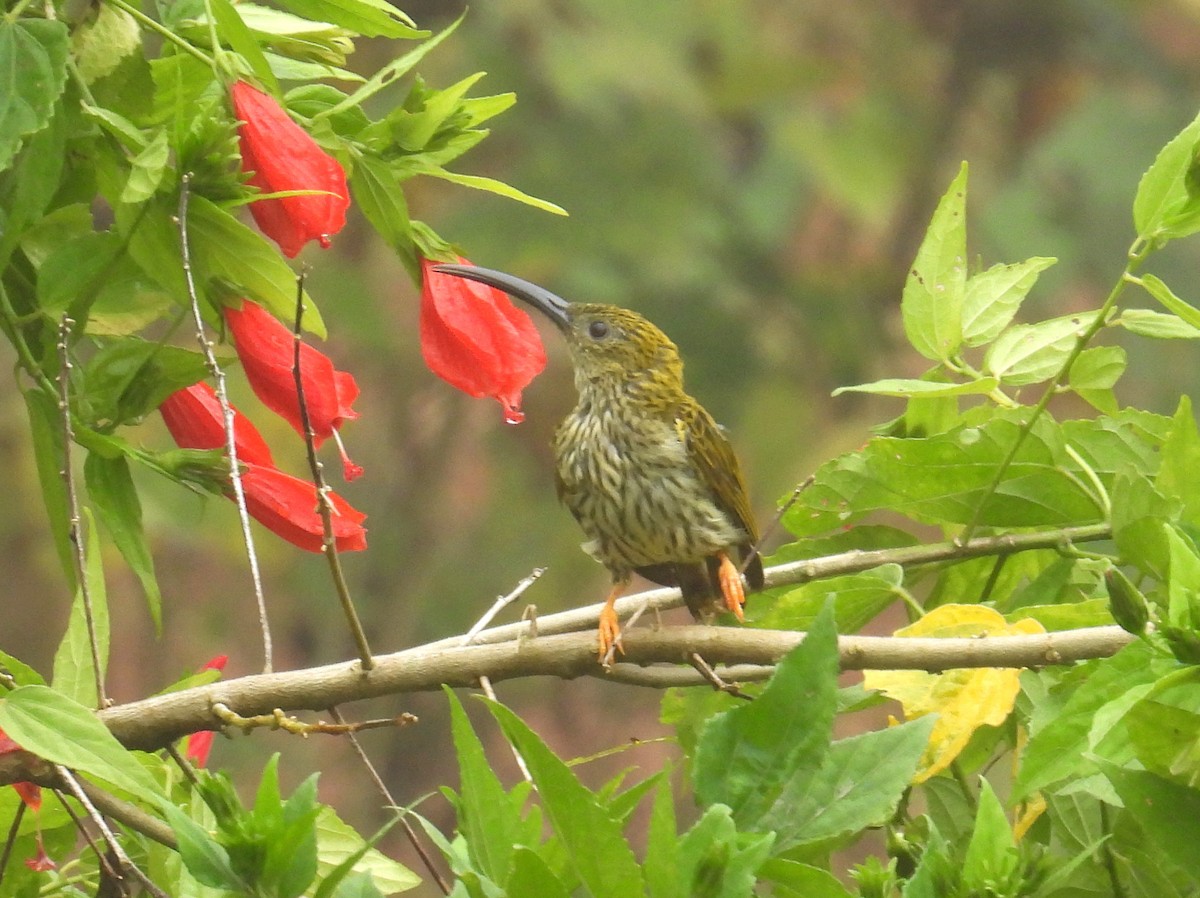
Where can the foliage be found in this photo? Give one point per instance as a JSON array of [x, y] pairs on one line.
[[120, 189]]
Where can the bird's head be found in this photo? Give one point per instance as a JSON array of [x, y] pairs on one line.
[[606, 342]]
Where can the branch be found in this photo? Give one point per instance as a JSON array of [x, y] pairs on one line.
[[509, 651]]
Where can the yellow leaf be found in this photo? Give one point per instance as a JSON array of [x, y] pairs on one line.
[[963, 699]]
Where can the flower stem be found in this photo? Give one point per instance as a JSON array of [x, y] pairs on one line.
[[1138, 252]]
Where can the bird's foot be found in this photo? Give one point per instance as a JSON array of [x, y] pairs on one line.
[[609, 633], [732, 587]]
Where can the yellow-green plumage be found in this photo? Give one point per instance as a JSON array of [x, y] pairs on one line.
[[644, 469], [647, 473]]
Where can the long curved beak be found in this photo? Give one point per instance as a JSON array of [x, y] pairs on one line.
[[552, 306]]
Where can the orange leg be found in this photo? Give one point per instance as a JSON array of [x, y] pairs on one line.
[[610, 625], [732, 588]]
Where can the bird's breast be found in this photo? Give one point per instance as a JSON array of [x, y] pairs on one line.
[[629, 481]]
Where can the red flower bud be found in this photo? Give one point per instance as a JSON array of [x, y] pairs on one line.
[[285, 505], [475, 339], [193, 416], [267, 351], [31, 795], [280, 156], [200, 744]]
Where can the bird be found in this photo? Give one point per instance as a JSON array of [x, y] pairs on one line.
[[650, 477]]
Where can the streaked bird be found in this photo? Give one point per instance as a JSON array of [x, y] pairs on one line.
[[647, 473]]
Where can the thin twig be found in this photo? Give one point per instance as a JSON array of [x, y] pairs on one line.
[[485, 683], [771, 527], [129, 815], [13, 829], [75, 525], [235, 472], [324, 503], [714, 679], [501, 603], [390, 801], [68, 779], [103, 858]]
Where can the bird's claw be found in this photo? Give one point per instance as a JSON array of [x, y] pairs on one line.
[[609, 634], [732, 587]]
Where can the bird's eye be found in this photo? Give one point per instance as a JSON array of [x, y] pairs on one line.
[[598, 330]]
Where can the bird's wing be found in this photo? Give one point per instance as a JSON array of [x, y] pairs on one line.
[[714, 458]]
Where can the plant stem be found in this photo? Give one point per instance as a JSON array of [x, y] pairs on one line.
[[1137, 254]]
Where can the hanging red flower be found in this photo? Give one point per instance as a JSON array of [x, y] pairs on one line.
[[279, 156], [200, 744], [474, 338], [31, 795], [266, 349], [193, 416], [285, 505]]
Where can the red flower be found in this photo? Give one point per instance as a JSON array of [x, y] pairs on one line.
[[31, 795], [475, 339], [200, 744], [285, 505], [280, 156], [267, 351], [193, 415]]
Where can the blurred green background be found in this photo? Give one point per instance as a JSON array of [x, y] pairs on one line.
[[755, 177]]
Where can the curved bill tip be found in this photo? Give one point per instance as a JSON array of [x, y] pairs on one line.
[[549, 304]]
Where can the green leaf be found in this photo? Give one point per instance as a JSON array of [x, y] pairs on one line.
[[1139, 513], [22, 673], [1097, 368], [45, 427], [745, 757], [1179, 462], [992, 297], [52, 726], [391, 72], [73, 274], [74, 667], [1033, 353], [226, 255], [370, 18], [1060, 738], [491, 185], [592, 840], [377, 193], [793, 879], [1167, 740], [204, 858], [661, 866], [234, 31], [1167, 812], [1162, 193], [111, 488], [339, 845], [130, 377], [486, 818], [1183, 587], [859, 784], [1172, 303], [943, 479], [35, 179], [932, 302], [532, 876], [33, 72], [991, 854], [857, 600], [1160, 326], [910, 386], [148, 168], [715, 861]]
